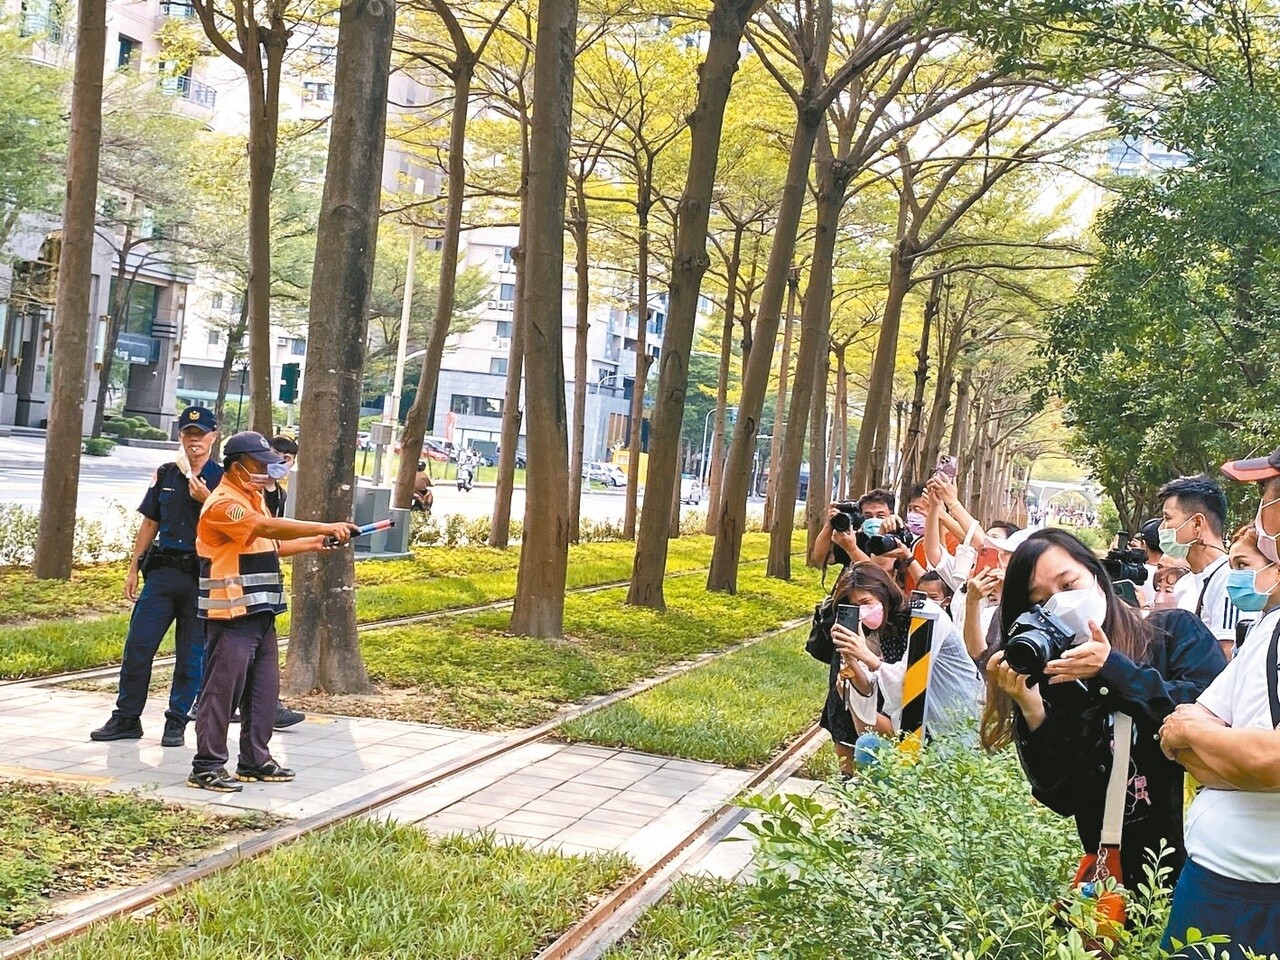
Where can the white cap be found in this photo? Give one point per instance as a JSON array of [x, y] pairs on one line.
[[1010, 544]]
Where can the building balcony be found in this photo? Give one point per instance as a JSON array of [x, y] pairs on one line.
[[193, 91], [35, 24], [177, 10]]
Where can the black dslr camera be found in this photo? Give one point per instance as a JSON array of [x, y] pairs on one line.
[[1123, 563], [1036, 638], [848, 517]]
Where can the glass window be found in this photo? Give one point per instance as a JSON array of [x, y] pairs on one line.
[[298, 347], [215, 336], [498, 365], [504, 328], [506, 291], [129, 56], [141, 306], [506, 254], [216, 302]]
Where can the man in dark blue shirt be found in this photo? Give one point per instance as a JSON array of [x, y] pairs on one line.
[[164, 552]]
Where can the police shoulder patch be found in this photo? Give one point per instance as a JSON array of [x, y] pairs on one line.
[[236, 512]]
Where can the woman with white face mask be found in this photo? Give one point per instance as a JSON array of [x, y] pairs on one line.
[[1116, 664]]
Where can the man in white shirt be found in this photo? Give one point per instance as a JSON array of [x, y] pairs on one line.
[[1230, 743], [1194, 512]]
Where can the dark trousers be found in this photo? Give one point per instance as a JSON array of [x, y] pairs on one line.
[[168, 596], [242, 667], [1249, 913]]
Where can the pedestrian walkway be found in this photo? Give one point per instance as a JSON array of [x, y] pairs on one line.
[[575, 799]]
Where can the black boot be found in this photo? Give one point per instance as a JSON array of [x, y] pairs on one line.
[[118, 728]]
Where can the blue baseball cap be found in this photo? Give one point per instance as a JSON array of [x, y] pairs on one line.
[[201, 417], [253, 444]]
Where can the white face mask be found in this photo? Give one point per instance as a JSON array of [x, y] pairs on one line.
[[1267, 541], [1077, 607]]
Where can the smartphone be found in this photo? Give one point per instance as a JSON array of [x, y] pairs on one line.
[[946, 466], [1127, 592], [847, 616], [988, 557]]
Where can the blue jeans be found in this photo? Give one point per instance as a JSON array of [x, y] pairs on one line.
[[1249, 913], [168, 596]]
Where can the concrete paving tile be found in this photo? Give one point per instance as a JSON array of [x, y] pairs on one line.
[[524, 831], [617, 818], [603, 776], [540, 818]]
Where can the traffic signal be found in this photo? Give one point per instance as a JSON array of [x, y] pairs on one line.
[[289, 382]]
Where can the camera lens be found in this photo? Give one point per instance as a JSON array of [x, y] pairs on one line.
[[1028, 653], [842, 522]]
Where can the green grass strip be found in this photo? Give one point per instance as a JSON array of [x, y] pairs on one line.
[[468, 672], [366, 889], [57, 841], [738, 711], [696, 919], [435, 579]]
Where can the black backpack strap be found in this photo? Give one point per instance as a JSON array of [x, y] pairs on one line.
[[1273, 654]]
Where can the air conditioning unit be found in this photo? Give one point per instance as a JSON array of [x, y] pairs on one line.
[[506, 305], [282, 341], [492, 305], [504, 343]]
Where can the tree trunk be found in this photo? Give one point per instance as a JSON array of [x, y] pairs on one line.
[[960, 423], [715, 78], [842, 421], [55, 540], [583, 303], [324, 651], [880, 386], [832, 179], [942, 395], [716, 453], [415, 421], [512, 412], [815, 503], [780, 411], [235, 337], [725, 556], [115, 324], [642, 366], [539, 602], [911, 455], [263, 74]]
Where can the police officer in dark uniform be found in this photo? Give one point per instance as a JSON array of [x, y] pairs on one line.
[[164, 552]]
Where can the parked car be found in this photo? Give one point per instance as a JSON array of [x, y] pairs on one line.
[[433, 451], [606, 473], [690, 488]]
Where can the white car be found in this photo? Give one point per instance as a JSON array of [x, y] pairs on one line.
[[607, 473], [690, 488]]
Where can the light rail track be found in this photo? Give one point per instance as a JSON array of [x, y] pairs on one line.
[[112, 669], [642, 890]]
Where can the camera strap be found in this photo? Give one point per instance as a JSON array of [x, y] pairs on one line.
[[1118, 784]]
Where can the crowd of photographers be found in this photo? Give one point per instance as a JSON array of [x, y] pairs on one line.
[[1113, 677]]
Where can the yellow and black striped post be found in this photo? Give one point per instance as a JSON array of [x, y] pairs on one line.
[[915, 685]]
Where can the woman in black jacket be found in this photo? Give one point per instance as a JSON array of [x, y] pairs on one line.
[[869, 588], [1061, 722]]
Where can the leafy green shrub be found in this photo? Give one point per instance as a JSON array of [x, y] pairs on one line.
[[118, 428], [693, 522], [150, 433], [455, 530], [940, 855], [424, 531], [18, 527], [477, 531], [598, 531], [137, 422], [98, 446]]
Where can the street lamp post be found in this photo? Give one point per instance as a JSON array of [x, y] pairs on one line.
[[706, 423], [240, 403], [595, 421]]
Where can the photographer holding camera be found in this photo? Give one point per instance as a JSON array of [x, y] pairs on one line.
[[1073, 657], [864, 531]]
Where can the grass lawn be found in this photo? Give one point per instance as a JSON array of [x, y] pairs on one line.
[[468, 672], [698, 918], [66, 635], [362, 890], [57, 842], [739, 710]]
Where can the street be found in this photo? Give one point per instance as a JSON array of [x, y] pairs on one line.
[[123, 477]]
